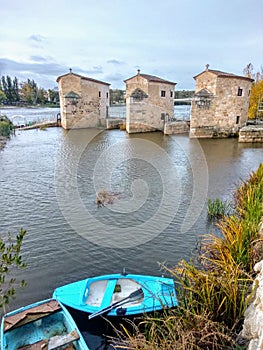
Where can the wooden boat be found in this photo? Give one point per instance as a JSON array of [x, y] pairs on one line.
[[118, 294], [45, 325]]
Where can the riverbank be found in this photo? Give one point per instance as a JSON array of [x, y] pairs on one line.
[[3, 141], [215, 287]]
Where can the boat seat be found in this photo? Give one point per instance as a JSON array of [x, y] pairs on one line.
[[108, 293], [60, 340], [39, 345]]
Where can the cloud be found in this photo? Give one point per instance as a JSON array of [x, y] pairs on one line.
[[116, 62], [115, 78], [37, 37], [39, 58], [44, 70]]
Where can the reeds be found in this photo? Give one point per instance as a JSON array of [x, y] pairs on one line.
[[217, 208], [215, 288]]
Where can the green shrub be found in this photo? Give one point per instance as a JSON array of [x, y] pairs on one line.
[[6, 126], [217, 208]]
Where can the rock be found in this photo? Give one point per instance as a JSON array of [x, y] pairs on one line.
[[253, 323]]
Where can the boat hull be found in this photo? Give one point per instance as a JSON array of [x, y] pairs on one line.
[[44, 325], [96, 293]]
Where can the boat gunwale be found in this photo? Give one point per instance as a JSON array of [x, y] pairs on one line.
[[137, 309]]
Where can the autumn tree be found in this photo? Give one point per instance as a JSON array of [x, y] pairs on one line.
[[256, 94], [29, 91]]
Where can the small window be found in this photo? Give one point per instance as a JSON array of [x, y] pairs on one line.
[[171, 94], [248, 93], [99, 94], [239, 92], [163, 93], [237, 119], [107, 95]]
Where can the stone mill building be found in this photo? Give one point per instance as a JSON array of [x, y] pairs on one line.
[[84, 102], [149, 103], [220, 104]]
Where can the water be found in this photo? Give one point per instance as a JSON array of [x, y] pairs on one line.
[[49, 181], [22, 116]]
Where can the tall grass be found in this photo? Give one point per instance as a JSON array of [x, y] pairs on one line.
[[217, 208], [214, 288]]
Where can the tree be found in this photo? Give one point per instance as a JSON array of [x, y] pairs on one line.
[[10, 89], [256, 94], [29, 91], [53, 95], [117, 96], [248, 70], [2, 97], [10, 259], [16, 96]]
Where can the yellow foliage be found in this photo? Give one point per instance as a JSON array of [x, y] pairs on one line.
[[255, 95]]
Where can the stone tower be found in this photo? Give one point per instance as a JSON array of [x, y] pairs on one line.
[[84, 102], [149, 102], [220, 104]]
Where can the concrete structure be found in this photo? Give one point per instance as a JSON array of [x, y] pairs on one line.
[[176, 127], [84, 102], [149, 103], [115, 123], [251, 133], [220, 104]]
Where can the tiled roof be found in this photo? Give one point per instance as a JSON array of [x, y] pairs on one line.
[[82, 77], [152, 78], [224, 74]]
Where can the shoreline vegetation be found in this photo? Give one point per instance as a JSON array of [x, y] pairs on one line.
[[214, 288], [6, 130]]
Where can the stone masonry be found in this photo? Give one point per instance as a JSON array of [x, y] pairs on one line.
[[149, 103], [251, 133], [84, 102], [220, 105], [253, 324]]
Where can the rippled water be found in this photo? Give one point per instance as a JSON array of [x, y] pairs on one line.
[[49, 180]]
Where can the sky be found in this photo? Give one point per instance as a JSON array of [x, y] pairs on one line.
[[110, 40]]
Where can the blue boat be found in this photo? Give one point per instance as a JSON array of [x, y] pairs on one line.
[[45, 325], [118, 294]]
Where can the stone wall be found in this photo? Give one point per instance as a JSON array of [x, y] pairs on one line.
[[177, 127], [90, 108], [253, 324], [141, 116], [148, 113], [114, 123], [251, 133], [226, 112]]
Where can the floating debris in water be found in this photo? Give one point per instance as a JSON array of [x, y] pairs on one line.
[[105, 198]]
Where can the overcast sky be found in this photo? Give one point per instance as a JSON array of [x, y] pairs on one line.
[[109, 40]]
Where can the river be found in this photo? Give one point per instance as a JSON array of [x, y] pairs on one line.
[[49, 180]]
